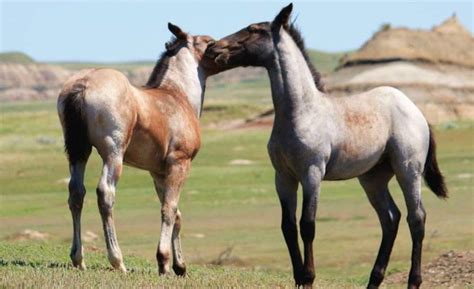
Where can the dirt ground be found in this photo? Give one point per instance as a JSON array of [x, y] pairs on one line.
[[453, 269]]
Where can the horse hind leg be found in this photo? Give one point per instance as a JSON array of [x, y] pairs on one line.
[[411, 186], [77, 192], [408, 165], [375, 183], [111, 171], [78, 149]]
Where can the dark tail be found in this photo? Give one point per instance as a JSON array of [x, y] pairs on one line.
[[433, 177], [76, 138]]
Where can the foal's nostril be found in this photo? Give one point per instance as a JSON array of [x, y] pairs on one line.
[[211, 44]]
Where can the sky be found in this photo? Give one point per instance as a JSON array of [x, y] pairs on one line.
[[106, 31]]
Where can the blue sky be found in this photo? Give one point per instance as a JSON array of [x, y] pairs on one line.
[[137, 30]]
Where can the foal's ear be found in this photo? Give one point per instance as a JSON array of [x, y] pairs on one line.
[[177, 31], [283, 18]]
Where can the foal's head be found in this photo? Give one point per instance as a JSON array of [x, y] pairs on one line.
[[196, 44], [251, 46], [184, 45]]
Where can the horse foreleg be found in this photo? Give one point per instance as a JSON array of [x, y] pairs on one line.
[[287, 187], [170, 218], [179, 266], [311, 187]]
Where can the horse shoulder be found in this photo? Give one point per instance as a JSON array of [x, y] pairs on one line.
[[171, 119], [189, 130]]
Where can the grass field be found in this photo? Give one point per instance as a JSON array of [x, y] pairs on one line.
[[223, 205]]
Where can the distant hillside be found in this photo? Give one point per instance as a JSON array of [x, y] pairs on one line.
[[434, 67], [447, 43], [123, 66], [325, 62], [22, 78], [15, 57]]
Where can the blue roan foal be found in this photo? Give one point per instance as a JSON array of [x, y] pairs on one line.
[[372, 136]]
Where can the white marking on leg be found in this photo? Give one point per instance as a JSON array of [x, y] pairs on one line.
[[106, 198]]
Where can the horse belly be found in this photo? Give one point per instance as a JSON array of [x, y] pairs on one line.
[[352, 158], [343, 169]]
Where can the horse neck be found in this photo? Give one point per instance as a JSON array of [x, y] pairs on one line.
[[294, 91], [185, 74]]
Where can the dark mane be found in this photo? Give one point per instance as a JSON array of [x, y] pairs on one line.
[[298, 39], [161, 66]]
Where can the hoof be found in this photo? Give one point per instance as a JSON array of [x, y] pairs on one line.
[[179, 270], [304, 285], [76, 256], [79, 265], [305, 280], [117, 262], [414, 281], [163, 270], [120, 267]]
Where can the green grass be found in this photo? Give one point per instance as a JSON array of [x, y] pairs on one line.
[[223, 206], [45, 265]]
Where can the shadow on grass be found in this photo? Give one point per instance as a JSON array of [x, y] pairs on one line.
[[68, 266], [23, 263]]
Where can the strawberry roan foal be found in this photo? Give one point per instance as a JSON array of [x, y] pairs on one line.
[[154, 128]]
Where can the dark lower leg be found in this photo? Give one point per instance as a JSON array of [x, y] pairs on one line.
[[290, 232], [76, 199], [375, 184], [77, 192], [287, 187], [411, 187], [389, 221], [417, 230], [307, 234], [307, 225]]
